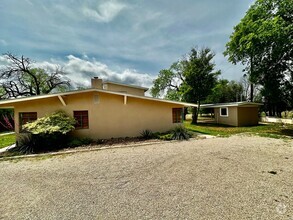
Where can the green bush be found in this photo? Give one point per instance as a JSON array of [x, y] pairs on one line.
[[45, 134], [57, 122], [76, 142], [147, 134], [263, 114], [25, 144], [166, 137], [287, 114], [180, 133]]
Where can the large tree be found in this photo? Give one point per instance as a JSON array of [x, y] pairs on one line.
[[263, 42], [226, 91], [190, 79], [20, 79]]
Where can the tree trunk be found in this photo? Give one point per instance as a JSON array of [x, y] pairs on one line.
[[194, 115], [251, 92], [195, 111], [185, 113]]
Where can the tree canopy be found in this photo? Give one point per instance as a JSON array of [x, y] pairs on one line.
[[225, 91], [190, 79], [263, 42], [19, 79]]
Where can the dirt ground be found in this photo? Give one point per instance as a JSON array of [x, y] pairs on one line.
[[239, 177]]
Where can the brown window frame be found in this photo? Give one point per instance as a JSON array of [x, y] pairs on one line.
[[177, 115], [82, 119], [29, 116]]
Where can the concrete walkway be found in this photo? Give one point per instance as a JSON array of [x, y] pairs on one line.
[[3, 134]]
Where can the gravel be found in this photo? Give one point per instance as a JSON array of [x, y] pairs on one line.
[[239, 177]]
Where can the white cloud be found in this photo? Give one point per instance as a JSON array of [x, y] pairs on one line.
[[105, 12], [80, 71]]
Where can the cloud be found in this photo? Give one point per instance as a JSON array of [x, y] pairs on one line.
[[147, 37], [105, 12], [81, 70]]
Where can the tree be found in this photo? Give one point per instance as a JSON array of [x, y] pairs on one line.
[[169, 82], [200, 78], [190, 79], [20, 79], [225, 91], [263, 41]]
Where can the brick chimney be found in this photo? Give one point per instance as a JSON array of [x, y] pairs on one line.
[[97, 83]]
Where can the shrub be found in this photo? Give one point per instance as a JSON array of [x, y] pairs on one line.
[[166, 137], [57, 122], [25, 144], [147, 134], [180, 133], [263, 114], [76, 142], [287, 114], [45, 134]]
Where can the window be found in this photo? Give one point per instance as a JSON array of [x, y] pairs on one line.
[[177, 115], [82, 119], [25, 117], [224, 112]]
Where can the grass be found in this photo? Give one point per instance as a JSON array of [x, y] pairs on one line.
[[264, 130], [7, 140]]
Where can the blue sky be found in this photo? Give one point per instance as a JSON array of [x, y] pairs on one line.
[[120, 40]]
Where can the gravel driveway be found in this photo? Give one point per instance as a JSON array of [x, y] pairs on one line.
[[239, 177]]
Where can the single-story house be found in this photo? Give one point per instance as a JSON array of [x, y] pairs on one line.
[[235, 113], [106, 110]]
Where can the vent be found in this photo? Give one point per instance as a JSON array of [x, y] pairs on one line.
[[96, 99]]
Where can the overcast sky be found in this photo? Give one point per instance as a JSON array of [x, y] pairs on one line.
[[122, 40]]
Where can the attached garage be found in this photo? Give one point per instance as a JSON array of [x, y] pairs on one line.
[[235, 114]]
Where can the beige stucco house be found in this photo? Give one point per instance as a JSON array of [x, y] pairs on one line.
[[106, 110], [235, 114]]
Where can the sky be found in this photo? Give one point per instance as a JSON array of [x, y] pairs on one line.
[[126, 41]]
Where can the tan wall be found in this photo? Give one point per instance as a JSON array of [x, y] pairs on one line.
[[108, 116], [230, 120], [247, 116], [121, 88]]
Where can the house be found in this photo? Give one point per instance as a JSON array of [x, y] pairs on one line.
[[106, 110], [235, 113]]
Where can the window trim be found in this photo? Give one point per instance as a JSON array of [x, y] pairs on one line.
[[178, 117], [81, 119], [227, 111], [20, 116]]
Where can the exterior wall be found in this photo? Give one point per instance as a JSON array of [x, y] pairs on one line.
[[247, 116], [108, 115], [121, 88], [230, 120]]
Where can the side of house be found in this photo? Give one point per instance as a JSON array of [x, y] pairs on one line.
[[102, 115]]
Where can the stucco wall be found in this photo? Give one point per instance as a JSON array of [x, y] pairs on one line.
[[230, 120], [247, 116], [108, 115], [121, 88]]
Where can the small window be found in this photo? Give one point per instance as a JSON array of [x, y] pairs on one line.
[[177, 115], [82, 119], [26, 117], [224, 112]]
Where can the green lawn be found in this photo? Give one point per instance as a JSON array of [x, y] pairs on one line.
[[7, 140], [268, 130]]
